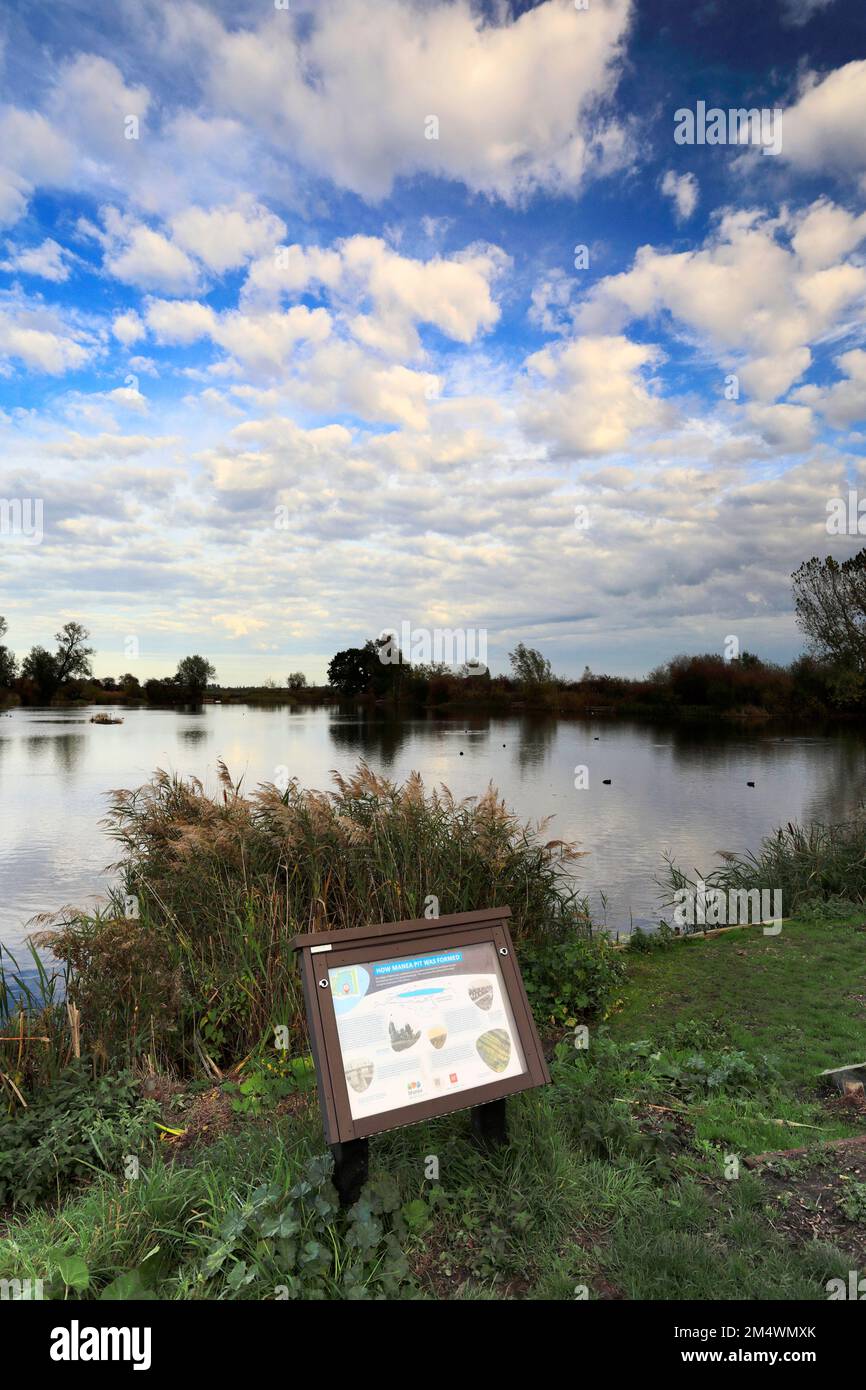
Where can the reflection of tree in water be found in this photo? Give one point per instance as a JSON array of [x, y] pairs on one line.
[[817, 774], [840, 766], [701, 745], [832, 764], [194, 735], [368, 735], [535, 735], [68, 749], [36, 745]]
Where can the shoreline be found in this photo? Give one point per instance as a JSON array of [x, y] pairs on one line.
[[174, 1073], [688, 715], [640, 1097]]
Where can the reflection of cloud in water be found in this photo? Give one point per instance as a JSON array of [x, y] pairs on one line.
[[673, 787]]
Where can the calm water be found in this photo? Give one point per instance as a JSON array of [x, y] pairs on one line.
[[671, 788]]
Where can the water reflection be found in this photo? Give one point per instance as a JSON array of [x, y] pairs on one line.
[[373, 738], [194, 735], [536, 735], [842, 785], [651, 787], [68, 750], [37, 744]]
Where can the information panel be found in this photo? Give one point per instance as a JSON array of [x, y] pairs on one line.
[[423, 1026], [410, 1020]]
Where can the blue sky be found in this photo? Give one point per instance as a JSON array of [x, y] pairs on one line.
[[318, 264]]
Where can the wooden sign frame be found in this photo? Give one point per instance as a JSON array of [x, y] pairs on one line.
[[321, 952]]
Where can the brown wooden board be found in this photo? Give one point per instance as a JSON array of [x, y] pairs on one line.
[[436, 955]]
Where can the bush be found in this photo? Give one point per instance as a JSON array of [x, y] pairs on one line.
[[122, 979], [726, 1072], [295, 1244], [643, 942], [68, 1129], [571, 978]]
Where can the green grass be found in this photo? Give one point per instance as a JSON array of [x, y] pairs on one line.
[[793, 992], [682, 1245], [793, 995], [613, 1181]]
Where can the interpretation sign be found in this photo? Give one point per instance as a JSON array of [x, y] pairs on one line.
[[409, 1020]]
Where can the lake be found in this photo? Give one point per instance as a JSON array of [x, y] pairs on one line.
[[680, 788]]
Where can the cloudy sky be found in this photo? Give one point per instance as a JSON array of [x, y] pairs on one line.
[[315, 320]]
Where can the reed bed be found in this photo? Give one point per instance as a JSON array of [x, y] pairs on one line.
[[192, 964], [809, 864], [36, 1039]]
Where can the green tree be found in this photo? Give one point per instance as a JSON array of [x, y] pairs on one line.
[[296, 681], [352, 671], [161, 692], [40, 667], [194, 673], [73, 657], [528, 666], [49, 671]]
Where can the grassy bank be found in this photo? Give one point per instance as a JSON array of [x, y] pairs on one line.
[[613, 1186], [155, 1142]]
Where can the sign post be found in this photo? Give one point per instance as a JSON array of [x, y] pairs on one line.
[[412, 1020]]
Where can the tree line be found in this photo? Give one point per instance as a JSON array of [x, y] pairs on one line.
[[829, 606], [830, 677], [43, 676]]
